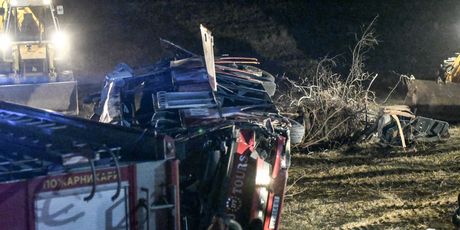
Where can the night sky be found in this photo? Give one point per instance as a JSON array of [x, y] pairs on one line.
[[415, 36]]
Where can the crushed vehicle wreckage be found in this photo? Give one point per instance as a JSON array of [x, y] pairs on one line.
[[232, 142]]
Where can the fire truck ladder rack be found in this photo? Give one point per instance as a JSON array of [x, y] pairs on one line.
[[35, 142]]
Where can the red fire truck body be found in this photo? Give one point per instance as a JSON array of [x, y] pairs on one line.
[[57, 201]]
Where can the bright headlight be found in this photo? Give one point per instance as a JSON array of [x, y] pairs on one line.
[[61, 42], [5, 42], [60, 39]]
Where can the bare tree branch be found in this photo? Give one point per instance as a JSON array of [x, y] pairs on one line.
[[335, 108]]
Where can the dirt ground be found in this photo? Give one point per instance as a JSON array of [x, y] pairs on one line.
[[367, 187]]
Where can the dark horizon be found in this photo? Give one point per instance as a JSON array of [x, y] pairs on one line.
[[414, 36]]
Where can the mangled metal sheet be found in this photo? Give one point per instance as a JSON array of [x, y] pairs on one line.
[[208, 49], [400, 127], [111, 103]]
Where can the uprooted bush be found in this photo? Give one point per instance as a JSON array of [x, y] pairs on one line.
[[333, 107]]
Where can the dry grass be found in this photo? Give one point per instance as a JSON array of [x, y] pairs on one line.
[[366, 187]]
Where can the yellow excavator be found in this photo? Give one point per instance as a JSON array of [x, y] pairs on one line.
[[439, 98], [35, 56]]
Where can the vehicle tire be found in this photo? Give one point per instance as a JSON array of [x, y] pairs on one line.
[[296, 132]]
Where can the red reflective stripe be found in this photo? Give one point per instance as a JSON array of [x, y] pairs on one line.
[[245, 141], [242, 147], [268, 213]]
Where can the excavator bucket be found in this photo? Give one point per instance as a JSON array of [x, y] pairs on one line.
[[434, 99], [57, 96]]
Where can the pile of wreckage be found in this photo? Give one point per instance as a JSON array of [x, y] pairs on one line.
[[232, 142]]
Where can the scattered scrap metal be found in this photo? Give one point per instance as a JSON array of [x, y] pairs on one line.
[[398, 126]]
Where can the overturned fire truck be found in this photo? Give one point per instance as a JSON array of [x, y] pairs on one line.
[[232, 143], [193, 143]]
